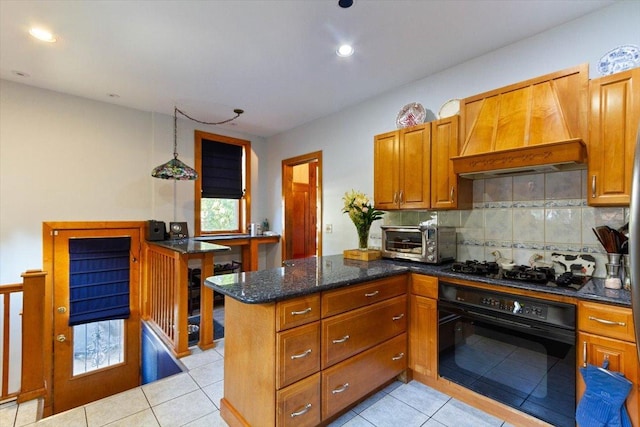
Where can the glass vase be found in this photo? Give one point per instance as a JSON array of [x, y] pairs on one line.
[[363, 237]]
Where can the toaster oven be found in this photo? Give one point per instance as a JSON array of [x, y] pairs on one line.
[[428, 244]]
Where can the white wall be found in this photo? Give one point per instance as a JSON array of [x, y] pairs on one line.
[[65, 158], [346, 138]]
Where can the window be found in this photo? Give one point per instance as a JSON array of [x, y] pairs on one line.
[[222, 191]]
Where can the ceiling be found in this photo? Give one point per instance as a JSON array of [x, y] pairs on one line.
[[273, 58]]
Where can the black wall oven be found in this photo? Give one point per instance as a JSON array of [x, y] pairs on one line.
[[517, 350]]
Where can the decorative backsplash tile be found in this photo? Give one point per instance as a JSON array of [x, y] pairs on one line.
[[525, 218]]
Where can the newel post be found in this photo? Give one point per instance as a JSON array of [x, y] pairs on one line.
[[33, 312]]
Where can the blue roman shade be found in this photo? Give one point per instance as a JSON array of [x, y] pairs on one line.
[[98, 279], [221, 170]]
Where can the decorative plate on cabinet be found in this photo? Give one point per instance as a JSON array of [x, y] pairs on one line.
[[449, 108], [619, 59], [411, 115]]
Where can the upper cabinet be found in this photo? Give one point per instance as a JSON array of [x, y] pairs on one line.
[[531, 124], [614, 120], [412, 168], [401, 168]]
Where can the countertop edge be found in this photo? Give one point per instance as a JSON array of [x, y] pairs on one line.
[[268, 286]]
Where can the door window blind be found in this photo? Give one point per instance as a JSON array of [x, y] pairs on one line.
[[98, 279]]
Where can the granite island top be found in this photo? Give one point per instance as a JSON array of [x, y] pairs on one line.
[[311, 275], [190, 246]]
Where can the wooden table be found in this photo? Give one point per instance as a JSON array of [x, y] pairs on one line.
[[249, 247]]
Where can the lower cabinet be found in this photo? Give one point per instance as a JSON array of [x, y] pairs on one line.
[[302, 361], [423, 327], [606, 334]]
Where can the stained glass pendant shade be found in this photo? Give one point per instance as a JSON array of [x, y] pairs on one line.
[[175, 169]]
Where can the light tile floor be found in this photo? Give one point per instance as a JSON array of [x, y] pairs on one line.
[[193, 398]]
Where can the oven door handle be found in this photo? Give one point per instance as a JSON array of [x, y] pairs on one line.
[[499, 319]]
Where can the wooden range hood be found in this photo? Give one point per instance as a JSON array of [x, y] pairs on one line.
[[532, 126]]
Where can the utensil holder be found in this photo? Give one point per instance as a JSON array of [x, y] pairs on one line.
[[613, 281]]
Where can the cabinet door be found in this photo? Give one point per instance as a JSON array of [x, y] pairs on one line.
[[423, 333], [386, 171], [614, 116], [622, 357], [415, 167], [446, 189]]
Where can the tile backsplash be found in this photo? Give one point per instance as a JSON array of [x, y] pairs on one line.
[[524, 217]]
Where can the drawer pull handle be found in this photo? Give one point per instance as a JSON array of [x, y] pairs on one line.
[[298, 313], [301, 411], [398, 317], [301, 355], [398, 357], [372, 294], [341, 340], [607, 322], [340, 389]]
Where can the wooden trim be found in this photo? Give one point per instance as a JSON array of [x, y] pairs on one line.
[[33, 336], [287, 179], [244, 214]]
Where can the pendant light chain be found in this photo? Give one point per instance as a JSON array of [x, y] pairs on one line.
[[238, 111]]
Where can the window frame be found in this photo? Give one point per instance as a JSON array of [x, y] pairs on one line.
[[244, 205]]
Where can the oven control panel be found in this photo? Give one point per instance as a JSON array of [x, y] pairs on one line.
[[525, 308], [506, 305]]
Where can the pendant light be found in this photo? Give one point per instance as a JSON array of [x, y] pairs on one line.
[[174, 168]]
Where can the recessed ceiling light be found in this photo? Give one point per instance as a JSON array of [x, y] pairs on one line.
[[20, 73], [42, 35], [345, 50], [113, 95]]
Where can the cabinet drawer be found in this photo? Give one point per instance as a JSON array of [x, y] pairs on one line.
[[348, 381], [607, 320], [297, 311], [299, 404], [426, 286], [298, 353], [341, 300], [349, 333]]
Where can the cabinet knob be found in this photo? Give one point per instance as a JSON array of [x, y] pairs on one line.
[[593, 186], [398, 317], [61, 338], [301, 355]]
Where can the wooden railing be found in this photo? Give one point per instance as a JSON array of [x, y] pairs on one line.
[[32, 383], [165, 299]]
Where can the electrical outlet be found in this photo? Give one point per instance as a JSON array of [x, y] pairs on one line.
[[328, 228]]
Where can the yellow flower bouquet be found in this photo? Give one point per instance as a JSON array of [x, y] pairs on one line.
[[362, 213]]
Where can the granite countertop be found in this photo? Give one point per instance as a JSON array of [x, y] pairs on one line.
[[190, 246], [214, 237], [310, 275]]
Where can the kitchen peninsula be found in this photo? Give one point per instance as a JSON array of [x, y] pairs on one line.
[[299, 338]]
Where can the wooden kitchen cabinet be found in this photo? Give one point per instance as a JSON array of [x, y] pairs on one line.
[[613, 122], [402, 168], [448, 191], [423, 327], [606, 333], [303, 360], [413, 170]]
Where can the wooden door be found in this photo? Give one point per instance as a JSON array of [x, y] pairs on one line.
[[415, 167], [100, 358], [386, 186], [303, 216], [614, 117], [302, 196]]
